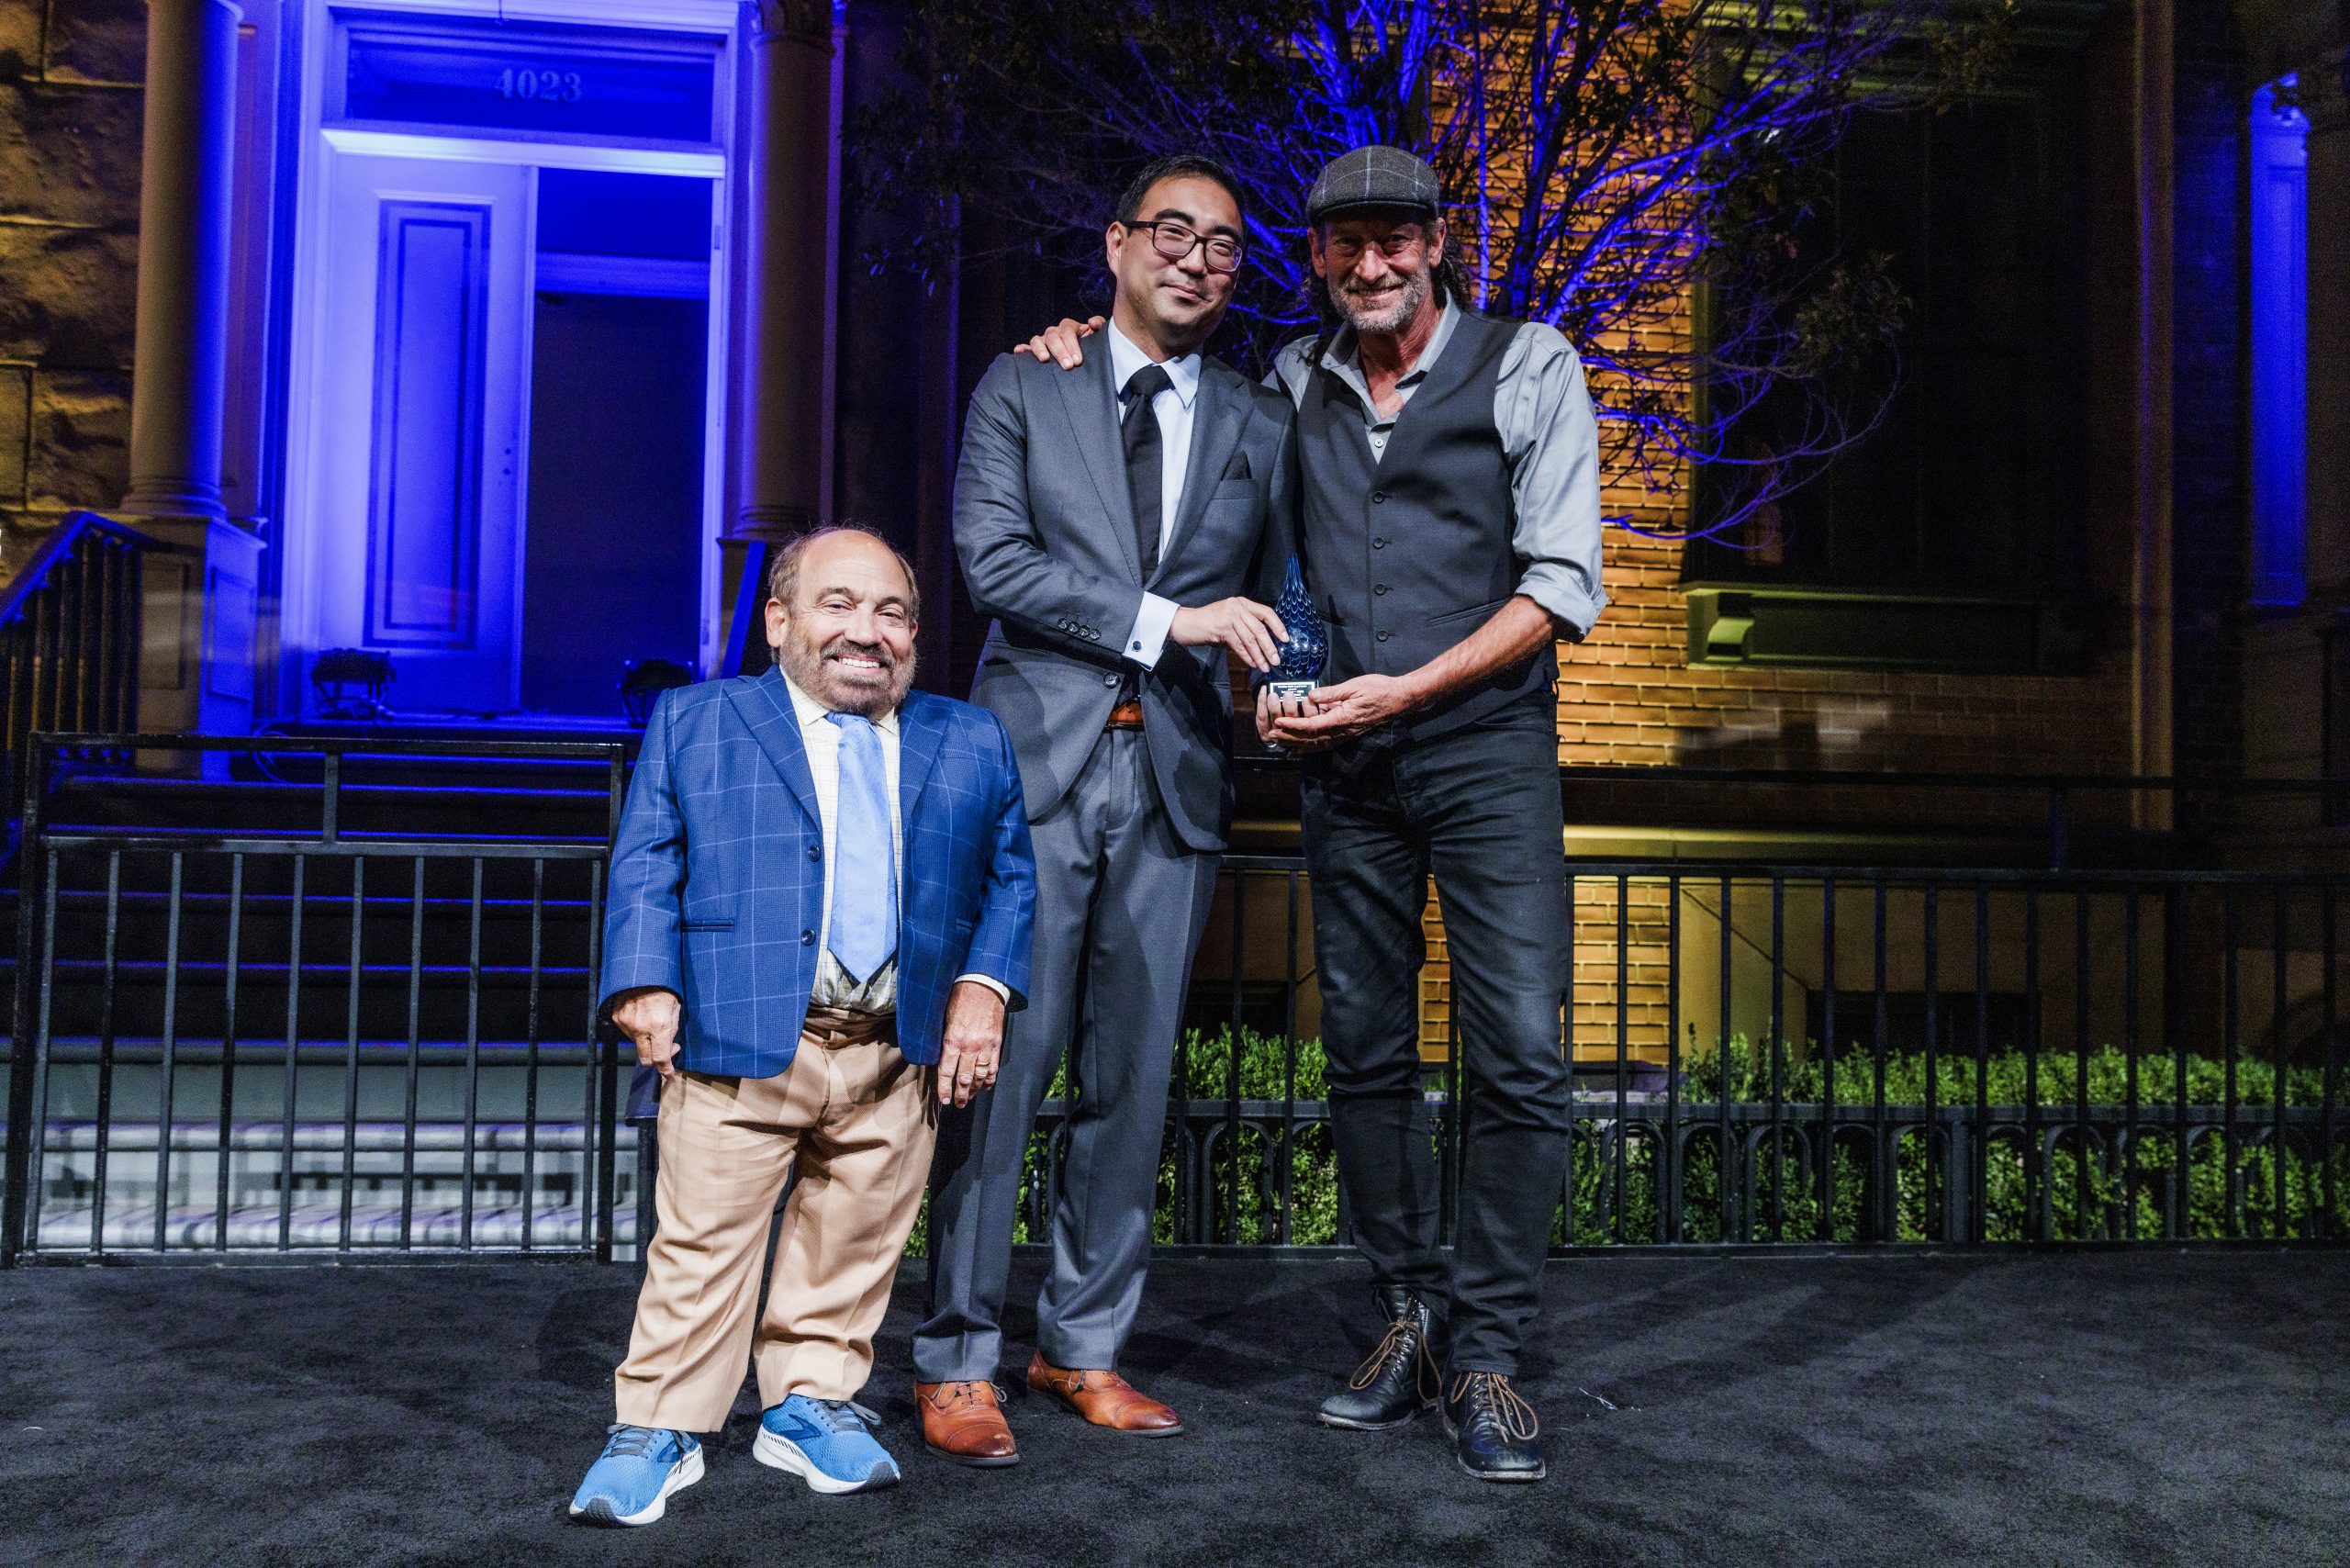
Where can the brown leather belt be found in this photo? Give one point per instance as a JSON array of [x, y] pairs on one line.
[[1127, 716]]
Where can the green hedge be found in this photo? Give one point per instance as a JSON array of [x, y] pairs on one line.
[[2214, 1207]]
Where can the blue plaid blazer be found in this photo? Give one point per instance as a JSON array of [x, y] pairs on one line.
[[718, 882]]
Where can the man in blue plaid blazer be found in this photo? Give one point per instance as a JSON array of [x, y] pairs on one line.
[[821, 898]]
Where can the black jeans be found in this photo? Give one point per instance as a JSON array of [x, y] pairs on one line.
[[1479, 809]]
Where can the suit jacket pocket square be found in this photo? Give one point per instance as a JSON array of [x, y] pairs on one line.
[[1238, 467]]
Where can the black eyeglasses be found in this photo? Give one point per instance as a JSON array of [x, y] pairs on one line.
[[1174, 241]]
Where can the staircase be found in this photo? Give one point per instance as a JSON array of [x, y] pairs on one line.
[[337, 1000]]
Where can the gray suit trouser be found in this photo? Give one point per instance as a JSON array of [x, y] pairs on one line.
[[1120, 904]]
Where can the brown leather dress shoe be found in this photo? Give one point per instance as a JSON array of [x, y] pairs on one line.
[[964, 1422], [1105, 1399]]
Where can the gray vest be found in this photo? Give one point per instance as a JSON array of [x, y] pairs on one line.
[[1407, 555]]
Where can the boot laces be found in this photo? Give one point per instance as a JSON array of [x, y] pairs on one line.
[[1403, 1337], [1490, 1397]]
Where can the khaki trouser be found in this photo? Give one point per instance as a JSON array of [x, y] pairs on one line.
[[857, 1117]]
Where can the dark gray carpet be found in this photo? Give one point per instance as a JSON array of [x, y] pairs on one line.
[[2140, 1410]]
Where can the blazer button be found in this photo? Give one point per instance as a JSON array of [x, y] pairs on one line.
[[1109, 680], [807, 939], [815, 852]]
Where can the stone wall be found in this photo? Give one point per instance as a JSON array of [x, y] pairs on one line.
[[70, 102]]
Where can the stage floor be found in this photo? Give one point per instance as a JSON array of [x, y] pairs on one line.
[[2070, 1409]]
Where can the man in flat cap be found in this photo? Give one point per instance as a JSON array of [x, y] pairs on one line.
[[1451, 550]]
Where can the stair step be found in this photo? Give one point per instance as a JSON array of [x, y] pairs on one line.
[[554, 1227]]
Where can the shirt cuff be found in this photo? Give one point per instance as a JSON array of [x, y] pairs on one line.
[[1003, 991], [1561, 590], [1148, 638]]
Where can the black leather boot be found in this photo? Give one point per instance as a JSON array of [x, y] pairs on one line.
[[1492, 1429], [1399, 1379]]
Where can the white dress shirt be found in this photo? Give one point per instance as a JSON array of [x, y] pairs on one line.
[[1173, 407], [822, 737]]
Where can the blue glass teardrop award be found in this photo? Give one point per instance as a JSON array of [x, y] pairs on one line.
[[1308, 648]]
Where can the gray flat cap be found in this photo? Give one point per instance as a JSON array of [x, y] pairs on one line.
[[1373, 176]]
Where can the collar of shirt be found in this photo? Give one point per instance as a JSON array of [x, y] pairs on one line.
[[1126, 359], [1343, 359], [811, 712]]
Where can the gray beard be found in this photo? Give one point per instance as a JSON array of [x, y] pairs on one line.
[[1389, 319], [805, 668]]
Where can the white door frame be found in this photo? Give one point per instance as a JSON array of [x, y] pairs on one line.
[[302, 539]]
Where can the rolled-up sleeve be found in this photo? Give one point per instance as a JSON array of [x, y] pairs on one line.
[[1543, 412]]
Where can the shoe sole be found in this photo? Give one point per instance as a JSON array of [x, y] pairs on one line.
[[1348, 1423], [682, 1475], [975, 1460], [1504, 1477], [1174, 1431], [782, 1454]]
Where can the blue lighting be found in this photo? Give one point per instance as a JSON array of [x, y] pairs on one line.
[[2279, 345]]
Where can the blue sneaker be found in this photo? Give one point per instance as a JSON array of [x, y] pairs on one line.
[[630, 1484], [823, 1441]]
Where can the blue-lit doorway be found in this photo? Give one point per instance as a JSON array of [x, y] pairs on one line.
[[503, 446]]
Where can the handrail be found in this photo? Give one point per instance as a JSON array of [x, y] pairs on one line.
[[55, 548], [70, 636]]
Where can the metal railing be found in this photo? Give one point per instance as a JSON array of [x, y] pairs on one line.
[[372, 1033], [375, 1034], [1831, 1055], [69, 638]]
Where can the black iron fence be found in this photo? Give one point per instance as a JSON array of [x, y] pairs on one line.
[[1837, 1055], [369, 1031], [375, 1034]]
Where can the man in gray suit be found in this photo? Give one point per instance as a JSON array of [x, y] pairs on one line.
[[1115, 523]]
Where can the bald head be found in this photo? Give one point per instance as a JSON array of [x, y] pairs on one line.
[[842, 618]]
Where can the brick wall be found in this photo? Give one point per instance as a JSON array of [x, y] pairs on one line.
[[69, 103]]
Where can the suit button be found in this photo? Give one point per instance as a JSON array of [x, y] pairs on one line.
[[815, 852], [1378, 588], [1109, 680], [1378, 545], [1378, 498], [808, 938], [1383, 636]]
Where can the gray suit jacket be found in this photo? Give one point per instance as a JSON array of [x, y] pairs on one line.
[[1044, 524]]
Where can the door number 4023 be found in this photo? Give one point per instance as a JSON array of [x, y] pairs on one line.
[[540, 86]]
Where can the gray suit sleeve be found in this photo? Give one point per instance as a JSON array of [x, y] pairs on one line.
[[1551, 442], [1006, 565], [1277, 543]]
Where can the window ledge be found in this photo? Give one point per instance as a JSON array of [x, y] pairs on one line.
[[1810, 628]]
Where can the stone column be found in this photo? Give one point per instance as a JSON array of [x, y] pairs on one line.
[[784, 307], [178, 365], [197, 672]]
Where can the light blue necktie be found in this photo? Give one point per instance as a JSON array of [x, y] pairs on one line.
[[865, 865]]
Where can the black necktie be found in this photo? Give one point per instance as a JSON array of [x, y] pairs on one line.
[[1145, 457]]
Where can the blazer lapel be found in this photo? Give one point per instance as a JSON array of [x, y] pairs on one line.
[[1218, 415], [919, 735], [1093, 412], [766, 709]]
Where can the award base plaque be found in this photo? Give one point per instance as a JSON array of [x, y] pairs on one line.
[[1299, 673]]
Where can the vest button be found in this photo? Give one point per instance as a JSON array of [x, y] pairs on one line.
[[1378, 588], [1378, 545], [1383, 636], [1378, 498], [808, 939]]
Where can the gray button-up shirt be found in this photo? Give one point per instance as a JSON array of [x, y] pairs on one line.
[[1551, 442]]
